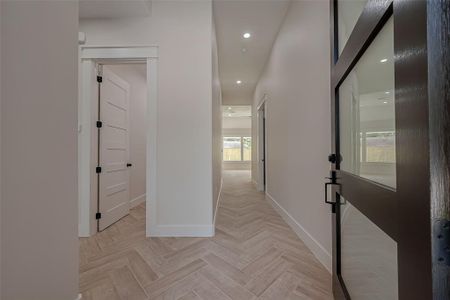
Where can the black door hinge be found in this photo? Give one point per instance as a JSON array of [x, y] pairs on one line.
[[99, 79], [99, 124], [98, 170], [98, 216], [441, 237]]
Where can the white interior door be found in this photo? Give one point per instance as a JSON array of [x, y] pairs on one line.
[[114, 179]]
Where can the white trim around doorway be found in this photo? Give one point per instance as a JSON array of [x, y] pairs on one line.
[[89, 57]]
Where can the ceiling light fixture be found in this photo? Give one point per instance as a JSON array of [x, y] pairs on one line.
[[229, 115], [387, 92], [229, 107], [385, 102], [383, 60], [238, 82], [246, 35]]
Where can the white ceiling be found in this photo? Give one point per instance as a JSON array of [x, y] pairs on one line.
[[237, 111], [262, 18], [237, 117], [107, 9]]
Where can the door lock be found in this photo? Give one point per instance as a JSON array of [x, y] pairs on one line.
[[331, 182]]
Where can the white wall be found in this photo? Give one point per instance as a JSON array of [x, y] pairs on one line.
[[296, 80], [183, 32], [135, 75], [237, 131], [237, 100], [237, 122], [216, 123], [39, 150]]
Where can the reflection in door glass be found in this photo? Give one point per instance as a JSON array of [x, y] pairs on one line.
[[367, 113], [368, 257], [379, 146], [348, 14]]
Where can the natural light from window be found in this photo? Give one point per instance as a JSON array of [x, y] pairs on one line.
[[237, 148]]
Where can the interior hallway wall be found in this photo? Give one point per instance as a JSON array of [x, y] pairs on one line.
[[182, 30], [296, 81], [39, 244], [216, 123], [135, 75]]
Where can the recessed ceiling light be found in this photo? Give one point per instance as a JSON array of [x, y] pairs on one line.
[[238, 82], [383, 60], [385, 102], [229, 115], [247, 35], [229, 107], [387, 92]]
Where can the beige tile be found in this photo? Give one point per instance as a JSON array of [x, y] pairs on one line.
[[126, 284], [254, 254]]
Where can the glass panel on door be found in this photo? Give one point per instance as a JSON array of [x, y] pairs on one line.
[[368, 257], [367, 113]]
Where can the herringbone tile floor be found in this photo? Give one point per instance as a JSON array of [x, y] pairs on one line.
[[254, 255]]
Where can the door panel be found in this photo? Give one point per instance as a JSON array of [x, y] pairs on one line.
[[114, 194], [380, 161], [368, 257]]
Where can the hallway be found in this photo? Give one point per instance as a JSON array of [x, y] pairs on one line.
[[254, 255]]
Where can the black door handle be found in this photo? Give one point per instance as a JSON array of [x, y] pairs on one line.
[[129, 165]]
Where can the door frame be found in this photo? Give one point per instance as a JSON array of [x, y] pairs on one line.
[[89, 56], [403, 212], [261, 144]]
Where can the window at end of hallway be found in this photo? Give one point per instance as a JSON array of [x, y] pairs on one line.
[[237, 148]]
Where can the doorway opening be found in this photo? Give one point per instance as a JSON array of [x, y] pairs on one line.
[[237, 138], [117, 165]]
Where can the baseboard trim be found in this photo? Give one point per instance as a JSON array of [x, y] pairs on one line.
[[219, 196], [138, 200], [183, 231], [83, 233], [316, 248]]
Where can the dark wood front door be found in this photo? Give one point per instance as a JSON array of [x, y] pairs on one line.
[[389, 163]]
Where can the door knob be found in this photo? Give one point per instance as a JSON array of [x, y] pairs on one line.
[[332, 158]]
